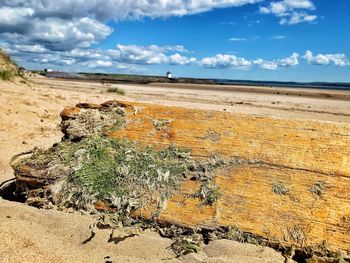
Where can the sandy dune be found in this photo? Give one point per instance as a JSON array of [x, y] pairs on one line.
[[29, 116]]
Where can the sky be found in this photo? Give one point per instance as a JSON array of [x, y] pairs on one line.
[[277, 40]]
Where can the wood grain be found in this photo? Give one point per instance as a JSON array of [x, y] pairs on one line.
[[295, 154]]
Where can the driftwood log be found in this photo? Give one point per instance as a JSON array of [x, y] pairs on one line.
[[293, 184]]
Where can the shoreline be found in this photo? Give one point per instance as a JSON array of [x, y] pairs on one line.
[[288, 91], [336, 94]]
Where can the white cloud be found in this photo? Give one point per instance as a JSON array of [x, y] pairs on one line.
[[291, 12], [152, 54], [339, 60], [280, 37], [141, 55], [129, 58], [237, 39], [122, 9], [69, 61], [86, 53], [57, 34], [14, 15], [123, 57], [268, 65], [98, 63], [68, 24], [232, 61], [178, 59], [30, 48], [291, 61], [297, 17], [61, 32], [225, 61]]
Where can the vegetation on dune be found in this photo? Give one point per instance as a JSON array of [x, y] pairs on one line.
[[117, 90], [8, 68], [6, 75], [6, 59]]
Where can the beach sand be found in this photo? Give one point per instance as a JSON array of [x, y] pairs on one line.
[[29, 116]]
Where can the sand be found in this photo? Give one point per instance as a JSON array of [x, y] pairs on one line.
[[29, 116]]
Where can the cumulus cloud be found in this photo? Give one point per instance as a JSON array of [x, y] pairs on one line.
[[339, 60], [178, 59], [61, 33], [140, 54], [287, 62], [225, 61], [152, 54], [67, 25], [58, 34], [120, 9], [268, 65], [36, 48], [232, 61], [98, 63], [291, 11], [125, 58]]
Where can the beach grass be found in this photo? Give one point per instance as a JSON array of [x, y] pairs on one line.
[[6, 75], [117, 90]]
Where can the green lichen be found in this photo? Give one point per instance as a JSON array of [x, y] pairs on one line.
[[280, 189], [208, 193], [318, 188], [162, 124], [118, 172], [92, 122], [213, 136]]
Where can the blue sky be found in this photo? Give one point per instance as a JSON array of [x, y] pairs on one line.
[[298, 40]]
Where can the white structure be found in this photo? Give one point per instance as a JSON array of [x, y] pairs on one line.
[[168, 74], [48, 70]]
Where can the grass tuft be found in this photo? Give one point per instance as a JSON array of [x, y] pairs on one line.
[[6, 75], [117, 90]]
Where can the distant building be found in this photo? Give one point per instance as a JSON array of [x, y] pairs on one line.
[[168, 75], [47, 70]]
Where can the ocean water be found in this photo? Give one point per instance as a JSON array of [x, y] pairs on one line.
[[314, 85]]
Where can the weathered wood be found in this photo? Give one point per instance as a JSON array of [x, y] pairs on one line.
[[308, 160], [310, 145], [248, 202]]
